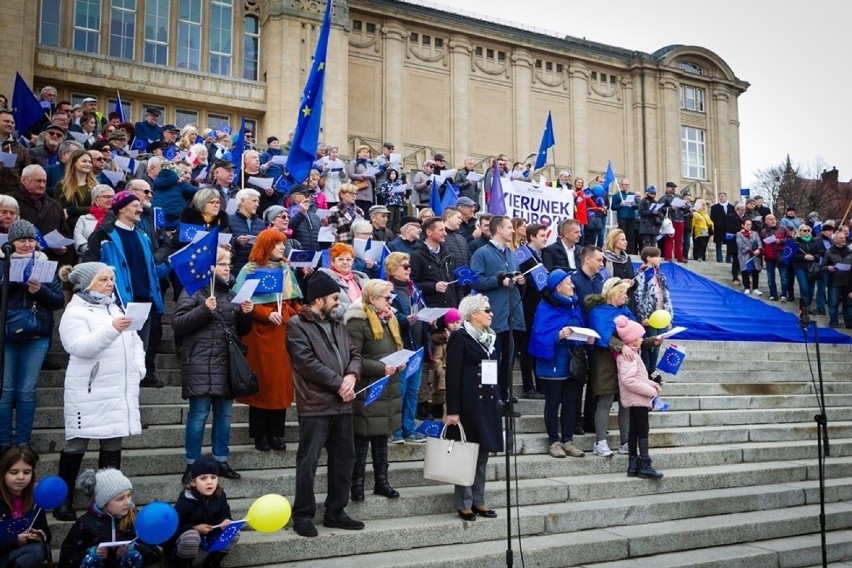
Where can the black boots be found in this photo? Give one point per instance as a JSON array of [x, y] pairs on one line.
[[69, 468], [109, 458], [423, 411], [646, 470], [214, 560], [382, 487], [356, 486], [633, 466]]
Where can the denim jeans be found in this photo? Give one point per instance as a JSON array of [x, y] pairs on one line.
[[836, 298], [650, 355], [771, 267], [220, 434], [806, 288], [821, 286], [20, 378], [409, 390], [728, 257]]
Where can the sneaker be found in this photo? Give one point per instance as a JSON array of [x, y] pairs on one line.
[[773, 299], [747, 291], [397, 439], [783, 298], [623, 449], [602, 449], [757, 293], [737, 282], [556, 450], [571, 450], [417, 438]]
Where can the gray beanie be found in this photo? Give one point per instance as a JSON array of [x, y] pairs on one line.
[[21, 229], [83, 274], [271, 213], [104, 485]]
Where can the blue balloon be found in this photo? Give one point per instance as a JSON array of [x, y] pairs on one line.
[[598, 190], [50, 492], [156, 523]]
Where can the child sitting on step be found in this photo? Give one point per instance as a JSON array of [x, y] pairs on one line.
[[109, 520], [636, 390], [24, 534], [203, 513]]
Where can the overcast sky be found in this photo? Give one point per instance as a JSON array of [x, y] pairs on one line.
[[795, 54]]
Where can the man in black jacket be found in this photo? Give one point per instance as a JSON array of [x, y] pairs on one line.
[[564, 253], [718, 214], [326, 366], [432, 267]]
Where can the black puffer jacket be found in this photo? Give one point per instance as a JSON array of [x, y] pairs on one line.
[[204, 356], [193, 508], [428, 269]]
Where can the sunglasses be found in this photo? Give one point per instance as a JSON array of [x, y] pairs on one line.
[[406, 266], [487, 310]]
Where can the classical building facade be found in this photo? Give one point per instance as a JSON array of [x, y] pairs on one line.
[[427, 79]]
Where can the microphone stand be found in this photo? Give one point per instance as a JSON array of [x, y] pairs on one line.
[[7, 248], [821, 419], [509, 418]]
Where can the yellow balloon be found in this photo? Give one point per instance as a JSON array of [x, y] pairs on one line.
[[660, 319], [269, 513]]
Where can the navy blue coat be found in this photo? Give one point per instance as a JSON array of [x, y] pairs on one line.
[[487, 262], [475, 403], [241, 226]]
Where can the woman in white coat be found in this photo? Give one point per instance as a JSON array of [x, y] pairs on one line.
[[102, 380]]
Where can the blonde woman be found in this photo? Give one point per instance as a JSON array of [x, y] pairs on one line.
[[74, 192], [702, 230]]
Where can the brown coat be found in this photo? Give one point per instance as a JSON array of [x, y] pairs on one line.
[[267, 355]]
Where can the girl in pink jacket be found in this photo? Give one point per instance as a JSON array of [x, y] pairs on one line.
[[636, 391]]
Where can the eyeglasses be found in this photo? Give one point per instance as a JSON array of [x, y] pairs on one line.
[[109, 197], [406, 266], [487, 310], [223, 264], [805, 231], [214, 202], [98, 159], [342, 259], [147, 192]]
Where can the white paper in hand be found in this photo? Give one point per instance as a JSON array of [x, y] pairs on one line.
[[55, 240], [138, 312]]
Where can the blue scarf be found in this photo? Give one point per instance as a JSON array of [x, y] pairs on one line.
[[602, 320]]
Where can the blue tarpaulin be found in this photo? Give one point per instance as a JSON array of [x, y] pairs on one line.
[[713, 312]]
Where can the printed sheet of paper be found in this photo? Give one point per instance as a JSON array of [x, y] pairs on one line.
[[582, 333], [247, 291], [138, 312]]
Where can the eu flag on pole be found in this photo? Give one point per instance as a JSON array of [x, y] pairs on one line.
[[671, 360], [789, 251], [385, 253], [414, 364], [224, 538], [375, 391], [539, 277], [271, 280], [25, 106], [465, 275], [238, 149], [523, 254], [435, 198], [40, 240], [547, 142], [497, 204], [609, 177], [303, 150], [451, 196], [119, 110], [193, 263], [431, 428], [139, 144], [186, 232]]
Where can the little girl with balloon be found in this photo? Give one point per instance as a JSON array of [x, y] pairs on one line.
[[24, 534]]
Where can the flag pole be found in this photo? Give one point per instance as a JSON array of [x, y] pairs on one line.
[[845, 215]]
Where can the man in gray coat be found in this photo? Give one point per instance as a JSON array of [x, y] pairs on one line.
[[326, 366]]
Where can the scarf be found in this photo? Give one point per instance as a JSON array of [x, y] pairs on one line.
[[352, 288], [350, 211], [616, 257], [376, 319], [806, 239], [485, 337], [208, 219], [96, 297], [747, 234], [98, 213]]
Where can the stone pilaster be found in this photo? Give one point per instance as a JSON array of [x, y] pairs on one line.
[[719, 132], [579, 74], [18, 28], [393, 94], [522, 62], [460, 50], [670, 167]]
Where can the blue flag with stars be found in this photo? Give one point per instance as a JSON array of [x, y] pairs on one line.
[[609, 177], [414, 363], [431, 428], [303, 150], [25, 106], [159, 218], [186, 232], [119, 109], [139, 144], [271, 280], [374, 391], [539, 277], [671, 360], [170, 152], [224, 538], [193, 263], [523, 254], [465, 275], [547, 141], [40, 239]]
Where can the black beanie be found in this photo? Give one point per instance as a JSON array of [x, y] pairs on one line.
[[204, 464], [319, 286]]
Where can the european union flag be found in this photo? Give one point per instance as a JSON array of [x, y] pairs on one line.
[[40, 239], [303, 150], [301, 255], [139, 144], [539, 277], [119, 110], [159, 218], [385, 253], [431, 428], [375, 391], [187, 231], [465, 275], [671, 360], [25, 106], [326, 259], [271, 280], [451, 196], [609, 177], [224, 538], [497, 203], [789, 251], [170, 152], [414, 363], [238, 149], [28, 269], [435, 197], [523, 254], [547, 141], [193, 263], [417, 300], [14, 527]]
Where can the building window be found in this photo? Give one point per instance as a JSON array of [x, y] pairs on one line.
[[371, 28], [221, 23], [157, 32], [184, 117], [692, 153], [87, 26], [49, 29], [189, 35], [356, 25], [218, 121], [122, 28], [161, 108], [691, 98], [251, 47], [691, 68], [126, 106]]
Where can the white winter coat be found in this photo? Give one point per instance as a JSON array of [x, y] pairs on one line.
[[103, 375]]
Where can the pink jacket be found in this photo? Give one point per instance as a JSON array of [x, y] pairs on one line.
[[634, 386]]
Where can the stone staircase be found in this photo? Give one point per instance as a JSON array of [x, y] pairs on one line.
[[738, 449]]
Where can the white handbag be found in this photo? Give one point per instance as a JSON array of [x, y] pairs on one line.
[[667, 228], [450, 461]]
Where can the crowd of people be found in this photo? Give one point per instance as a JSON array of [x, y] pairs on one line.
[[321, 338]]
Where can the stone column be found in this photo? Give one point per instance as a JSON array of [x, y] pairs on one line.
[[335, 109], [19, 30], [631, 167], [460, 49], [579, 74], [522, 62], [393, 73], [727, 169], [670, 167]]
